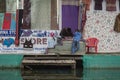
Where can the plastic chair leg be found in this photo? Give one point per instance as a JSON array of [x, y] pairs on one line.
[[87, 49], [96, 49]]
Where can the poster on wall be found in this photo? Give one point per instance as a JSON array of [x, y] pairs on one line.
[[31, 41]]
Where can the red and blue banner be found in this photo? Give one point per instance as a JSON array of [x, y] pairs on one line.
[[7, 21]]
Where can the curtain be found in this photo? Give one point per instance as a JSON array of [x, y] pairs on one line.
[[73, 13], [70, 10]]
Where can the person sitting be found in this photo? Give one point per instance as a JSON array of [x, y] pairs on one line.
[[63, 33], [75, 43]]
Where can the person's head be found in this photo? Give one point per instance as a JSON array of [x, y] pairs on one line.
[[69, 32], [69, 29], [63, 32]]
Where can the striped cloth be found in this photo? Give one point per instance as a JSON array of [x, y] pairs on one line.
[[111, 5], [7, 21]]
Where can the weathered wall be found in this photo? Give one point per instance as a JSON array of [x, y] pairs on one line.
[[11, 6], [101, 61], [41, 14]]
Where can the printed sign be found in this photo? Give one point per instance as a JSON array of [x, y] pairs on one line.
[[31, 41]]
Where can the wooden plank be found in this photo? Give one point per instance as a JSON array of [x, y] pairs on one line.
[[49, 61], [53, 58], [49, 78], [71, 63]]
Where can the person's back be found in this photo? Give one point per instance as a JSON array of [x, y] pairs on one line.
[[63, 33], [69, 32]]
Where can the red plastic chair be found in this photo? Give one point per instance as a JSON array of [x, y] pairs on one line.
[[92, 43]]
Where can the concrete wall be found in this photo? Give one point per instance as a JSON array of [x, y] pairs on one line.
[[101, 61], [10, 74], [41, 14], [10, 60], [101, 74]]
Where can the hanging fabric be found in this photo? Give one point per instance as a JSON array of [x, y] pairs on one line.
[[7, 21], [98, 4], [27, 15], [73, 14], [119, 5], [84, 18], [80, 16], [87, 3], [70, 11], [13, 22], [111, 5], [117, 23]]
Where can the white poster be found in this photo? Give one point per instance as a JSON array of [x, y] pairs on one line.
[[31, 41]]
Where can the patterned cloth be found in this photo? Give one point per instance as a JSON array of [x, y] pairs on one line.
[[98, 4], [111, 5]]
